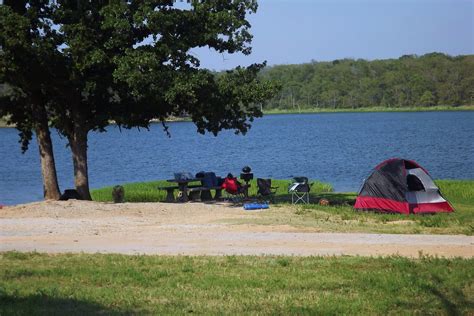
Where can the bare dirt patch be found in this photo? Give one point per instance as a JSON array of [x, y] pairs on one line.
[[194, 229]]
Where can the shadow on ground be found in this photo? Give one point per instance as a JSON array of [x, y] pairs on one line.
[[344, 199], [46, 305], [315, 198]]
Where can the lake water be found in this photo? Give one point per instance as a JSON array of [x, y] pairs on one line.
[[339, 148]]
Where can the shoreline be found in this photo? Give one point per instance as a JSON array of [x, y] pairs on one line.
[[373, 110], [3, 123]]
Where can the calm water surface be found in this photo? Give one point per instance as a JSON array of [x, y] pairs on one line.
[[339, 148]]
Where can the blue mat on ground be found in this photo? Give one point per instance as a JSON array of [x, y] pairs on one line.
[[256, 206]]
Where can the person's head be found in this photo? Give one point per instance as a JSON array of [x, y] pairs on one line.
[[230, 176]]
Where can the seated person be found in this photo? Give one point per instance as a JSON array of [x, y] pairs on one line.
[[231, 185]]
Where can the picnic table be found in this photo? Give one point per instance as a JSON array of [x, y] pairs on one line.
[[188, 191]]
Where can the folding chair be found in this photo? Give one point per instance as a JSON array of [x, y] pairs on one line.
[[265, 189], [299, 190]]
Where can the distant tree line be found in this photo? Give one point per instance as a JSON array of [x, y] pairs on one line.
[[428, 80]]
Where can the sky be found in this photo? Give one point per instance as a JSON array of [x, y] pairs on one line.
[[299, 31]]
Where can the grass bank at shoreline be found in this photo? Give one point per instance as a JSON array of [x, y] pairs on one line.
[[339, 215], [81, 284], [148, 191], [371, 109]]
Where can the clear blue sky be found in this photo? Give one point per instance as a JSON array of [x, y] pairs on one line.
[[298, 31]]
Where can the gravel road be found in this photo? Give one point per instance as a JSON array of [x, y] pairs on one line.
[[193, 229]]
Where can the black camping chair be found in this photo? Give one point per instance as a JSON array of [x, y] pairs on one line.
[[299, 190], [265, 189]]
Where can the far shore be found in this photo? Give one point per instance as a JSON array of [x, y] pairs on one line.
[[440, 108]]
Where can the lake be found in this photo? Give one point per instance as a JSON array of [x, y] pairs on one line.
[[339, 148]]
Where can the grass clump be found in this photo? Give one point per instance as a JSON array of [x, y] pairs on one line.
[[119, 284]]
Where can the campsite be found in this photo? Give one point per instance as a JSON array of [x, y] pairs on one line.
[[236, 157], [387, 259]]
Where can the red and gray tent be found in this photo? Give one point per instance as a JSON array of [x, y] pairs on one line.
[[401, 186]]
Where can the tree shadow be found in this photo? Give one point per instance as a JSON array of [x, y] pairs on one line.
[[346, 199], [338, 198], [46, 305], [451, 308]]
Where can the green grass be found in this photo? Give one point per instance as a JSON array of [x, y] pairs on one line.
[[459, 193], [372, 109], [83, 284], [148, 192]]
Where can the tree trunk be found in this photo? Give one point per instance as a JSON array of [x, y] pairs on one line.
[[48, 166], [78, 143]]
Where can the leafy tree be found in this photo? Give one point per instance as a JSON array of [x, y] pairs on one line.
[[26, 58], [131, 61], [427, 99]]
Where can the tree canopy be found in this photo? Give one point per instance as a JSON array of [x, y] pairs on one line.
[[127, 61]]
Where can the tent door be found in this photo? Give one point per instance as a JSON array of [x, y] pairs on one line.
[[414, 183]]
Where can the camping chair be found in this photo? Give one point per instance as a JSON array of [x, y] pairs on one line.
[[265, 189], [299, 190]]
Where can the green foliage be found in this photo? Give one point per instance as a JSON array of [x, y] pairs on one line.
[[425, 81], [26, 58], [427, 99], [117, 284]]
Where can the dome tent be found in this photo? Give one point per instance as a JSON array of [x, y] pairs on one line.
[[401, 186]]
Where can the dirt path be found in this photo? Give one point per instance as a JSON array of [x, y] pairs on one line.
[[193, 229]]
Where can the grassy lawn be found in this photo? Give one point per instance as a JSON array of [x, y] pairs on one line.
[[117, 284], [339, 216]]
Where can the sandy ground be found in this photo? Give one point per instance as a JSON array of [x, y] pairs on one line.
[[193, 229]]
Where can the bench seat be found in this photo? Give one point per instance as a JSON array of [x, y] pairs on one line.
[[195, 192], [169, 192], [204, 193]]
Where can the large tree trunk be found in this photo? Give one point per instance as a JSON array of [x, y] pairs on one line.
[[78, 143], [48, 166]]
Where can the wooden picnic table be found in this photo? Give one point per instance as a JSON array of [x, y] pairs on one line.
[[183, 187], [188, 191]]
